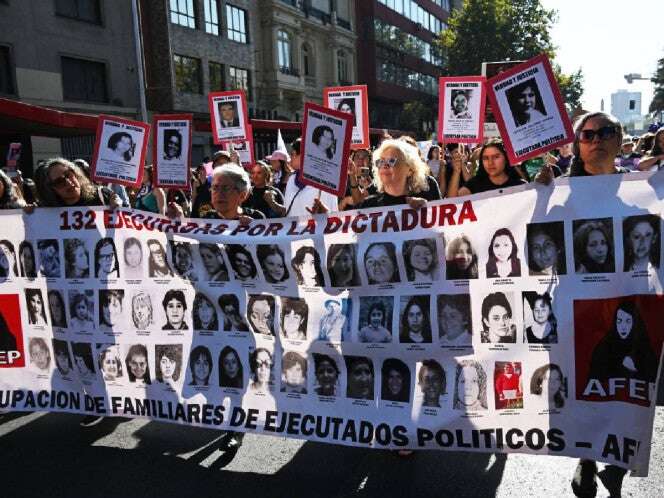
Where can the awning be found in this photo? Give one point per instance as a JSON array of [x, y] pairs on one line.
[[21, 118]]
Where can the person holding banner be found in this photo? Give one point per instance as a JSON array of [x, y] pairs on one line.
[[400, 177], [493, 173], [654, 158], [60, 183], [281, 171], [230, 189], [597, 142]]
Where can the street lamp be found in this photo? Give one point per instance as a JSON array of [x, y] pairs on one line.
[[634, 76]]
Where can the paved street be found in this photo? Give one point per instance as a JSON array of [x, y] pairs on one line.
[[49, 455]]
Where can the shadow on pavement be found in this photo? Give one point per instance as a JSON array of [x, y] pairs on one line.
[[52, 456]]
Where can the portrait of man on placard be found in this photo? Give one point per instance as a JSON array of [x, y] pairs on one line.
[[228, 116]]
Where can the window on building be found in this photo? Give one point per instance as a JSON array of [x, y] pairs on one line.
[[216, 76], [83, 10], [187, 74], [236, 20], [6, 72], [307, 62], [239, 79], [632, 105], [342, 67], [84, 80], [182, 13], [284, 51], [211, 11]]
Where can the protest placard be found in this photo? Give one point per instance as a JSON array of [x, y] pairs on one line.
[[461, 103], [529, 110], [353, 100], [325, 146], [120, 149], [228, 115], [171, 150]]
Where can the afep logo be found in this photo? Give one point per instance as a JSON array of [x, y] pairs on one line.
[[11, 332]]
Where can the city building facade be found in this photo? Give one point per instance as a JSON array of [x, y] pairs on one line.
[[398, 60], [626, 106], [72, 55]]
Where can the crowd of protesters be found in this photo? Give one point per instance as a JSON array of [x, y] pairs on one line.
[[394, 173]]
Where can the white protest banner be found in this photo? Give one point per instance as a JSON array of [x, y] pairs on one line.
[[491, 130], [325, 145], [529, 109], [229, 118], [511, 336], [353, 100], [461, 101], [171, 150], [120, 149]]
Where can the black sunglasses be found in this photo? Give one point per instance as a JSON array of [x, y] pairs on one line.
[[603, 133]]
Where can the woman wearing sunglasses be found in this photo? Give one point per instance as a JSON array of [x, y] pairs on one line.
[[60, 183], [597, 142], [400, 177]]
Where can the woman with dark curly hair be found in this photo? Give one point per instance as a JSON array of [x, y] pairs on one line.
[[77, 259], [175, 306], [307, 267], [273, 263], [593, 248], [415, 322], [395, 377]]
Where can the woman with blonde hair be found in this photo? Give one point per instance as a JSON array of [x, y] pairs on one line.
[[400, 176]]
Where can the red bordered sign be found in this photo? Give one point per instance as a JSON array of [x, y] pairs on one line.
[[229, 118], [326, 135], [171, 150], [461, 103], [353, 100], [120, 149], [529, 109]]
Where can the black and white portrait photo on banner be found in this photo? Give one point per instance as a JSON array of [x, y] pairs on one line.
[[529, 109], [375, 319], [352, 100], [120, 150], [171, 151], [229, 116], [326, 135], [461, 101], [546, 248], [495, 317], [540, 325], [594, 249]]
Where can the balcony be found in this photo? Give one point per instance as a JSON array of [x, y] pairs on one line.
[[290, 71]]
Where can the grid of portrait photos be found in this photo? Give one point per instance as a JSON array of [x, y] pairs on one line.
[[462, 320]]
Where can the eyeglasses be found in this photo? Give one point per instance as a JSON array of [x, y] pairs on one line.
[[604, 133], [222, 189], [264, 364], [62, 181], [390, 162]]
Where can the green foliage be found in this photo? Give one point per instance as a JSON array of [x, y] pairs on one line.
[[571, 86], [657, 104], [498, 30], [413, 114]]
